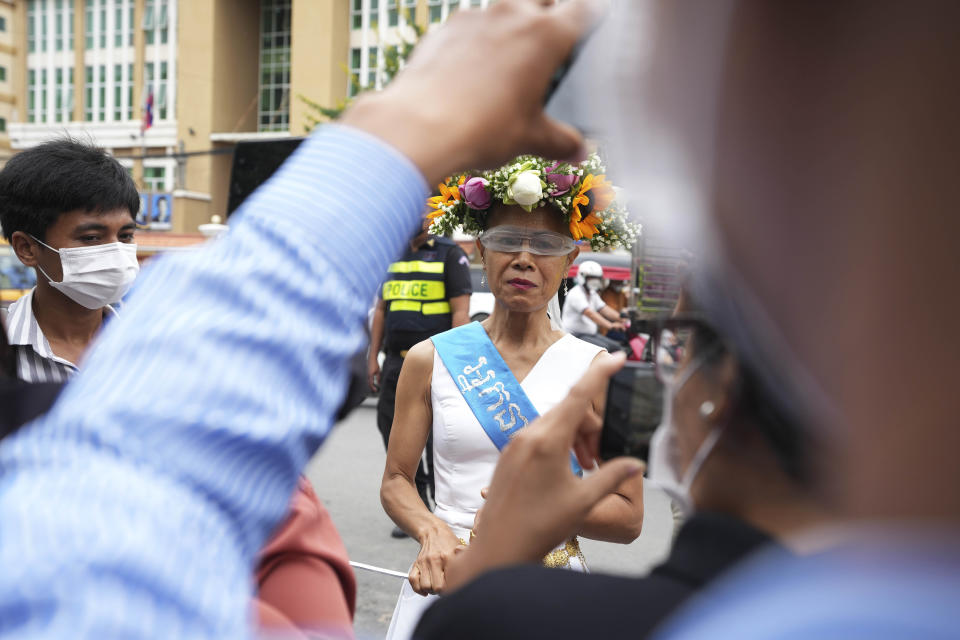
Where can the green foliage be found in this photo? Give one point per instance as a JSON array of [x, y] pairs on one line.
[[393, 59]]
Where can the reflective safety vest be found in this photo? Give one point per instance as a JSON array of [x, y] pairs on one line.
[[415, 295]]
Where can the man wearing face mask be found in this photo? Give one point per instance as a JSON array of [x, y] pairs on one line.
[[68, 211], [584, 311]]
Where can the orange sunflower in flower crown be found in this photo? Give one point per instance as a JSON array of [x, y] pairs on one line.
[[595, 194], [449, 192]]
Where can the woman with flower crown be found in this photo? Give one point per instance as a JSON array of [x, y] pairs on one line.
[[477, 385]]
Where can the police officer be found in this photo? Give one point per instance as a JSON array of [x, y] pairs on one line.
[[425, 293]]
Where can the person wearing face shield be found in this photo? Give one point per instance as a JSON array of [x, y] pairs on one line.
[[584, 311], [68, 211], [475, 388], [736, 468]]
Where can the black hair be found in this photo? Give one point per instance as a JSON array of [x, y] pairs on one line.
[[40, 184], [786, 438]]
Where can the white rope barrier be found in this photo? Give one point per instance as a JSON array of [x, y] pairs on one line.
[[370, 567]]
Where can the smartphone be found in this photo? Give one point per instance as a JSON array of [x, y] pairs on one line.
[[633, 412]]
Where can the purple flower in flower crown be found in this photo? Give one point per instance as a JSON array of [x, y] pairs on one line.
[[475, 194], [561, 182]]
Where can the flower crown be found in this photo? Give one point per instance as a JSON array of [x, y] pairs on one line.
[[580, 193]]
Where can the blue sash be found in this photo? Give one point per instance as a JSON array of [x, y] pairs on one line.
[[487, 384]]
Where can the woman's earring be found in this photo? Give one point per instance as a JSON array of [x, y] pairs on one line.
[[707, 409], [483, 276], [564, 287]]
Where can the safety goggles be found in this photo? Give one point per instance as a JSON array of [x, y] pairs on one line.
[[515, 239]]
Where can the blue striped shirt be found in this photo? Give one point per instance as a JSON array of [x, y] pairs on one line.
[[136, 506]]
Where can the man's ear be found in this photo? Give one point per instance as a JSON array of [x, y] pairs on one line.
[[26, 248]]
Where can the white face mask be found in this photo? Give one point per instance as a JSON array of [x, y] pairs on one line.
[[593, 284], [664, 463], [96, 276]]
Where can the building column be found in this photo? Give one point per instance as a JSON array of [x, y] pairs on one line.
[[18, 69], [139, 55], [319, 55], [79, 49]]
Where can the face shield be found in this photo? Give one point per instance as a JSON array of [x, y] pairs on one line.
[[646, 89]]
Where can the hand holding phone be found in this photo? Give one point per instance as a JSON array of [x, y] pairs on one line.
[[633, 412]]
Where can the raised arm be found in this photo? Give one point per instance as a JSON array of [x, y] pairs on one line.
[[139, 502]]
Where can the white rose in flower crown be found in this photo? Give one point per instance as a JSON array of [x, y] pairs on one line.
[[525, 188]]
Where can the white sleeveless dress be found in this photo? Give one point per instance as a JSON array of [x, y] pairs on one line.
[[464, 457]]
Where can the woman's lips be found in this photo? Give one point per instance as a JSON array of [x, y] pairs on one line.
[[520, 283]]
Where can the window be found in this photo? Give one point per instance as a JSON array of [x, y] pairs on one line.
[[393, 14], [371, 79], [58, 96], [359, 80], [149, 24], [31, 28], [162, 93], [88, 24], [148, 87], [129, 92], [154, 178], [43, 25], [3, 25], [118, 92], [356, 14], [435, 10], [3, 121], [103, 24], [274, 109], [43, 95], [102, 93], [118, 25], [69, 25], [68, 102], [3, 74], [31, 96], [374, 12], [59, 25], [409, 10], [162, 22], [354, 86], [88, 94]]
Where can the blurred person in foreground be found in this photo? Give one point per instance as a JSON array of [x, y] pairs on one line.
[[818, 140], [477, 387], [427, 292], [171, 457], [824, 139], [68, 211], [305, 585], [738, 470]]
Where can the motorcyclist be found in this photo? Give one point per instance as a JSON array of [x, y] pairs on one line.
[[584, 312]]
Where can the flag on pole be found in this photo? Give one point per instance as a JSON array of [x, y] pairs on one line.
[[147, 113]]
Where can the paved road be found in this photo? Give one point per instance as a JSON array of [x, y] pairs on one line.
[[346, 475]]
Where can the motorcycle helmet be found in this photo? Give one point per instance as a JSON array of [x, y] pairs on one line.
[[590, 269]]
